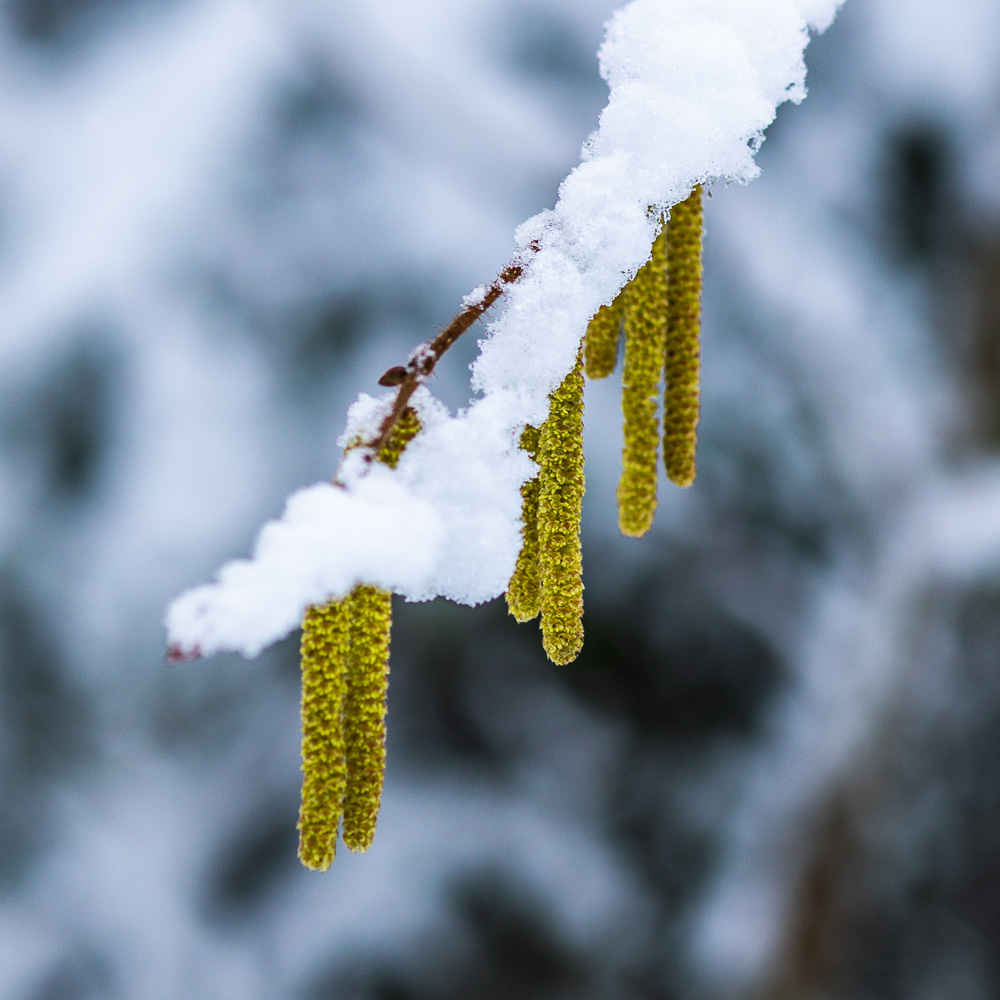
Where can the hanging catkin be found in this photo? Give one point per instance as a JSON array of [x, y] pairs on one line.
[[524, 592], [560, 498], [645, 338], [600, 347], [370, 610], [683, 355], [325, 649], [345, 668]]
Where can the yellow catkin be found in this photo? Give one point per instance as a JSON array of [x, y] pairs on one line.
[[345, 654], [645, 339], [600, 347], [560, 497], [325, 648], [370, 610], [370, 613], [524, 592], [683, 355], [402, 434]]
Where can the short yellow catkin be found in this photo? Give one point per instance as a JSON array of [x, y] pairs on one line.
[[402, 434], [645, 338], [370, 610], [683, 355], [325, 650], [524, 592], [560, 499], [600, 346]]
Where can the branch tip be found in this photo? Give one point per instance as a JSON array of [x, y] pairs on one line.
[[177, 654]]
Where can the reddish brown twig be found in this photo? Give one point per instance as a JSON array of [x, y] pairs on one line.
[[408, 377]]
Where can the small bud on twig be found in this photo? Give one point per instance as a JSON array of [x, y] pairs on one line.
[[393, 376]]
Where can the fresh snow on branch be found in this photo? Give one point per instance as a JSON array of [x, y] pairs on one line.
[[693, 84]]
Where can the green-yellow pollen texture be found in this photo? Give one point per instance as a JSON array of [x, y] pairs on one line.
[[645, 339], [325, 649], [370, 610], [560, 499], [402, 434], [524, 592], [600, 347], [683, 359]]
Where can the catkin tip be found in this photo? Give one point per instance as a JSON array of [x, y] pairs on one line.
[[564, 647]]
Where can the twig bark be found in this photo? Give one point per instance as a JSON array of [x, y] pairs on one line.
[[421, 365]]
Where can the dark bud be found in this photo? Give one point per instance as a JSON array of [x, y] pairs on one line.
[[396, 375]]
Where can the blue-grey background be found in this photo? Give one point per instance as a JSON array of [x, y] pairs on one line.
[[773, 771]]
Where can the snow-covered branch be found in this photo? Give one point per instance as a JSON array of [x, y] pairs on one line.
[[693, 84]]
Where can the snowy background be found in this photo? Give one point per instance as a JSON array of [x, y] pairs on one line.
[[772, 773]]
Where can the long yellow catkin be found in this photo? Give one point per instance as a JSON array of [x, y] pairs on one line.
[[645, 339], [524, 592], [370, 610], [560, 498], [325, 649], [345, 663], [683, 355], [600, 346]]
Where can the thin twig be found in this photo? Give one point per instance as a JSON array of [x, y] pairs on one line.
[[421, 365]]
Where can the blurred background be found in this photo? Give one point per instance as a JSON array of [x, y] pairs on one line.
[[775, 770]]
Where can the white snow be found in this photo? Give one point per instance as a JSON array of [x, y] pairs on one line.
[[693, 84]]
